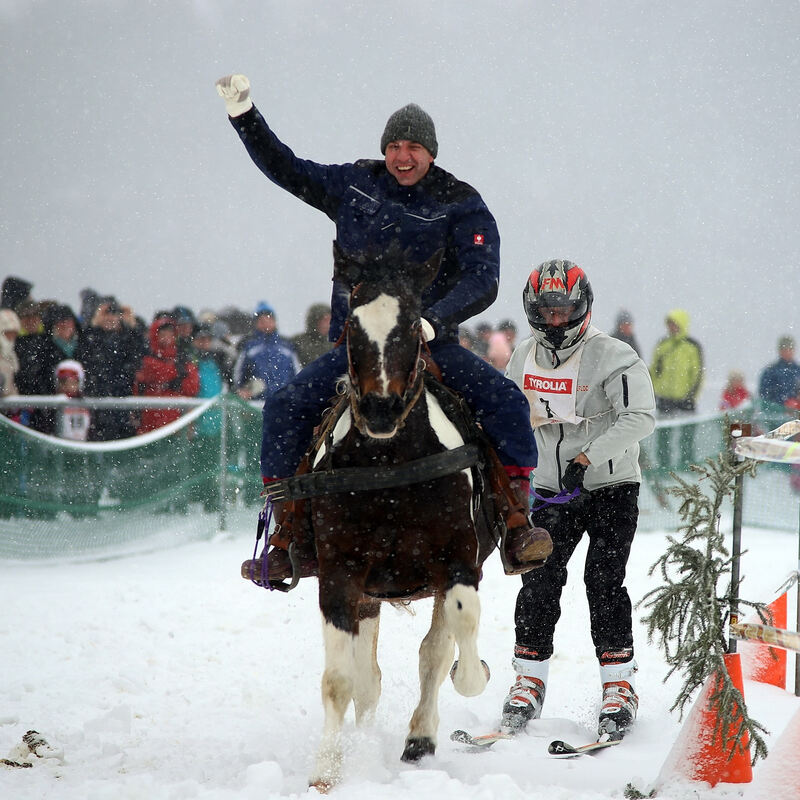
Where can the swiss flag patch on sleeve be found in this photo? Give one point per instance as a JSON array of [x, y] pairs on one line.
[[478, 238]]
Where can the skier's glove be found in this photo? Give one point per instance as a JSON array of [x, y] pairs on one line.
[[573, 476], [428, 331], [235, 91]]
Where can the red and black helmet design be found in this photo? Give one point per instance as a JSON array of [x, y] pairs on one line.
[[558, 284]]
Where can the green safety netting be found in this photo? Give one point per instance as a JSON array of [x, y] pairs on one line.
[[178, 482], [769, 500], [200, 474]]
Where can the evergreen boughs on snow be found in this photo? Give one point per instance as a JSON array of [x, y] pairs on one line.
[[689, 614], [632, 793]]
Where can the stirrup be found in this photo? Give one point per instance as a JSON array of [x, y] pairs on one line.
[[541, 551], [252, 570]]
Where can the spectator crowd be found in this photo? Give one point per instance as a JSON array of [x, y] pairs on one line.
[[104, 349]]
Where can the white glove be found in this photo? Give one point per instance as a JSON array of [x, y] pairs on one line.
[[235, 91], [428, 333]]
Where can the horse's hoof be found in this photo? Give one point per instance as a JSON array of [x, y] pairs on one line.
[[323, 787], [455, 667], [418, 748]]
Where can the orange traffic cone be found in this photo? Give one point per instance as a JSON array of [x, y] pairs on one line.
[[778, 778], [698, 753], [763, 663]]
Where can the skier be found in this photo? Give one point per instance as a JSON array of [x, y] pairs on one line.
[[591, 402], [405, 198]]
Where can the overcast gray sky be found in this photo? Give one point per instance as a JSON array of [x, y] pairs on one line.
[[655, 144]]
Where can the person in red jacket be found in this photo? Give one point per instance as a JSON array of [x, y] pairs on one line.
[[164, 374], [735, 393]]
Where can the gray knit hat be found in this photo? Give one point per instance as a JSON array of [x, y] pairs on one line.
[[412, 123]]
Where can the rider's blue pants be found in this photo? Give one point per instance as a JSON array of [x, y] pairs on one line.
[[292, 412]]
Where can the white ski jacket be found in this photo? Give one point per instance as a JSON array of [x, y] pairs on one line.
[[596, 398]]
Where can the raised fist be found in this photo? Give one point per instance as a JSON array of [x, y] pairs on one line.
[[235, 91]]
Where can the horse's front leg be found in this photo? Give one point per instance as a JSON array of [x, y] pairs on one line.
[[435, 657], [462, 612], [367, 689], [339, 633]]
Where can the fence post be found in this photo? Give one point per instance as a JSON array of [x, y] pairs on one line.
[[223, 461], [737, 430]]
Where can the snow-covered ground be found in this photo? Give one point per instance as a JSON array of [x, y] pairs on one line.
[[166, 676]]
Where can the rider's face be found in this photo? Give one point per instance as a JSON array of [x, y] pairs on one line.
[[557, 316], [407, 161]]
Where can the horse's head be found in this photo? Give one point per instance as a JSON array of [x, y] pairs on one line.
[[384, 336]]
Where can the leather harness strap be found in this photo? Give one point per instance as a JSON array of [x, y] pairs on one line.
[[359, 479]]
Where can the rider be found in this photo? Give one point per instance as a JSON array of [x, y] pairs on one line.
[[591, 403], [405, 198]]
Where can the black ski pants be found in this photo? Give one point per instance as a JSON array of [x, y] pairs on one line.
[[609, 517]]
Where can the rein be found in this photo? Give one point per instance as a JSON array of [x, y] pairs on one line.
[[562, 497]]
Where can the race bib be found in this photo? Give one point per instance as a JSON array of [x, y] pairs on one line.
[[552, 392], [74, 423]]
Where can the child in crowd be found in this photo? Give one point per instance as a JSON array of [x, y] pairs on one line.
[[9, 363], [734, 393], [72, 422]]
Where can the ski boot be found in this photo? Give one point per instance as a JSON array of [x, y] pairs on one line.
[[620, 701], [526, 696]]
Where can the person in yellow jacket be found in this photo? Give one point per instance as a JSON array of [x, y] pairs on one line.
[[677, 374]]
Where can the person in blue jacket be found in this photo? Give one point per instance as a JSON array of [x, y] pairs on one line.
[[404, 198], [780, 380], [266, 362]]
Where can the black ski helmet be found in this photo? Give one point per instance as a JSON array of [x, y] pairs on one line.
[[558, 284]]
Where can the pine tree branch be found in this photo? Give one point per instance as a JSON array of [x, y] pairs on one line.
[[688, 616]]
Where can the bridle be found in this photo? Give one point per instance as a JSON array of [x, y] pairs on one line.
[[414, 383]]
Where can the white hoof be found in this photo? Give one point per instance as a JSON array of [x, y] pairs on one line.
[[470, 685]]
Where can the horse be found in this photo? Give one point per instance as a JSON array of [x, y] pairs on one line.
[[377, 543]]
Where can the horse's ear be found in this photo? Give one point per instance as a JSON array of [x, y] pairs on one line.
[[430, 269], [346, 270]]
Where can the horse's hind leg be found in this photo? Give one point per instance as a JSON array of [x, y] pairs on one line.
[[367, 689], [462, 612], [435, 657]]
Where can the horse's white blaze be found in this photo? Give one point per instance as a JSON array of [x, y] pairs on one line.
[[446, 432], [462, 613], [378, 319], [435, 658]]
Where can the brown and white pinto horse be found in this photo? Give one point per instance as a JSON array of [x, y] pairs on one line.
[[404, 543]]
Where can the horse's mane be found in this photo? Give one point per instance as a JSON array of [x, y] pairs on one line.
[[392, 264]]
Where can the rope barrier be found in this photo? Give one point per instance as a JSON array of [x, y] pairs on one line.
[[118, 445], [756, 632], [772, 446]]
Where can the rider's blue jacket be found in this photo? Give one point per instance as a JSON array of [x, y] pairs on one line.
[[370, 209]]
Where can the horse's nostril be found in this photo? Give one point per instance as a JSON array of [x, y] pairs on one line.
[[381, 413]]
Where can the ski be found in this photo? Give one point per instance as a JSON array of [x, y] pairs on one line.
[[481, 742], [563, 750]]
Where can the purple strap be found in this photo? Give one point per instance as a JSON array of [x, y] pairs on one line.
[[562, 497], [264, 519]]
